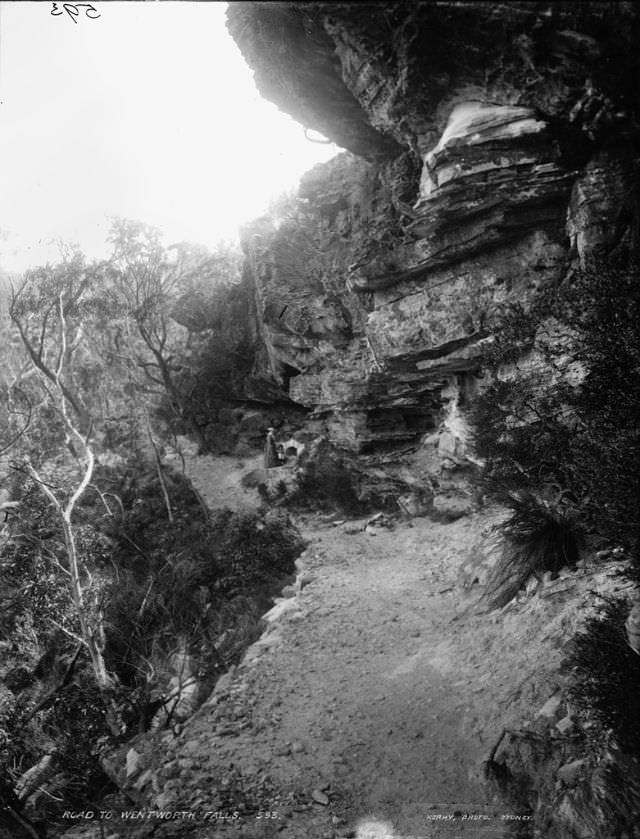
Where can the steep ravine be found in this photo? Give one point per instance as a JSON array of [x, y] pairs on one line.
[[374, 696]]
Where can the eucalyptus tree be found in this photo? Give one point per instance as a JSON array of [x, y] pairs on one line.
[[52, 312]]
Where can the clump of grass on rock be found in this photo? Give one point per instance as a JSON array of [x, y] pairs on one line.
[[539, 536]]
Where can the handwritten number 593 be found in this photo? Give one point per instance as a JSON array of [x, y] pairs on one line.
[[72, 9]]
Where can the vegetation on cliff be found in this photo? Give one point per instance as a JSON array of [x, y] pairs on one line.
[[557, 430], [567, 429]]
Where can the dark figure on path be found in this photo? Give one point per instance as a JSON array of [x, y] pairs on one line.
[[270, 451]]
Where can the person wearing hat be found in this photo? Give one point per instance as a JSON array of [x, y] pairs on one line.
[[270, 450]]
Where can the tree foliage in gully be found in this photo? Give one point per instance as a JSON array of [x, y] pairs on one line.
[[102, 363]]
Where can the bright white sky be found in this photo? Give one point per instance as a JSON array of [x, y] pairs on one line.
[[148, 113]]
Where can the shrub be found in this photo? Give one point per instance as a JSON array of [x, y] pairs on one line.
[[253, 551], [539, 536], [521, 432], [539, 430], [325, 480], [77, 720], [329, 489], [605, 677], [194, 580]]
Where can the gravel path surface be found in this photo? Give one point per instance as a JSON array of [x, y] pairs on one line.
[[371, 702]]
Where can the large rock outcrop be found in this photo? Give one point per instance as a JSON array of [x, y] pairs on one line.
[[491, 148]]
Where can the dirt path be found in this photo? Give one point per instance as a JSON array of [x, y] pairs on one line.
[[218, 478], [369, 705], [366, 680]]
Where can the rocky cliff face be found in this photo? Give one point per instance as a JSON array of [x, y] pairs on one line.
[[491, 148]]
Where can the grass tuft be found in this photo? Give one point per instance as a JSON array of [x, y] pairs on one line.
[[539, 536]]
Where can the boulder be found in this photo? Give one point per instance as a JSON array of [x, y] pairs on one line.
[[551, 708], [452, 507], [415, 504], [571, 772], [134, 762]]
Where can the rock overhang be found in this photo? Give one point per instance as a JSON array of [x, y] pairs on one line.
[[509, 144]]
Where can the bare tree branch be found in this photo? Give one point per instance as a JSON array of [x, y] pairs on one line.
[[159, 470], [39, 361]]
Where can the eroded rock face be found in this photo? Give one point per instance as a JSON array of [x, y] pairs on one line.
[[493, 152], [601, 205], [315, 91], [396, 71]]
